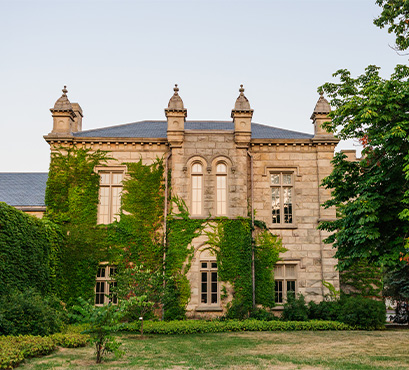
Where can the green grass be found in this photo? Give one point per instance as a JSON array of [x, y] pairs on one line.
[[249, 350]]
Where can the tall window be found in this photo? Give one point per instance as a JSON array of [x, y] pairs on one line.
[[282, 198], [209, 285], [104, 283], [109, 196], [221, 189], [285, 277], [197, 188]]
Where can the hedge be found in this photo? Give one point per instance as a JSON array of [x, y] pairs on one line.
[[13, 350], [198, 326]]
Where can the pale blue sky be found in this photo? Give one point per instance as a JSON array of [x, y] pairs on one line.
[[120, 60]]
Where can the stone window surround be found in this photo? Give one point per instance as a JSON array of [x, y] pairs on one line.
[[295, 170], [105, 280], [208, 306], [109, 169], [284, 278]]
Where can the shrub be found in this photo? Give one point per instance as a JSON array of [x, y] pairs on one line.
[[325, 310], [70, 340], [198, 326], [295, 309], [29, 313], [262, 314], [13, 350], [363, 313]]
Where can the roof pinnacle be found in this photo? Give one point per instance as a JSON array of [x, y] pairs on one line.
[[64, 91]]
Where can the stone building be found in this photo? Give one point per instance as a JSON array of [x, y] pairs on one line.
[[226, 168]]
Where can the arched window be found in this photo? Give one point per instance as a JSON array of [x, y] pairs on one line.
[[197, 188], [221, 189]]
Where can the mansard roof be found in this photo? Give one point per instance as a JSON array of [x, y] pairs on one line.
[[23, 189], [157, 129]]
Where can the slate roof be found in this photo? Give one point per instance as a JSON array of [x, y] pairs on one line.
[[23, 189], [157, 129]]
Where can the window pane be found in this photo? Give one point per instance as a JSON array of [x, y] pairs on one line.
[[197, 168], [221, 194], [275, 199], [290, 270], [288, 206], [117, 178], [204, 265], [275, 178], [196, 195], [101, 272], [287, 179], [221, 168], [279, 270], [278, 291], [105, 178], [214, 265], [290, 286]]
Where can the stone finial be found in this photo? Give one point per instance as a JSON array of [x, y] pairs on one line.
[[175, 102], [242, 103], [322, 106], [63, 104]]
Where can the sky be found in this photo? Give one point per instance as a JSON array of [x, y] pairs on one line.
[[121, 59]]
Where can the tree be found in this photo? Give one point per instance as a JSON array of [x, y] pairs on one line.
[[371, 194], [395, 16], [143, 286]]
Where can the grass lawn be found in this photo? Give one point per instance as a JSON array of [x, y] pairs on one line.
[[248, 350]]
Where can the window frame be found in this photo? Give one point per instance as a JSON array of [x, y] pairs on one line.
[[281, 186], [284, 280], [107, 280], [209, 270], [110, 216], [196, 211], [222, 175]]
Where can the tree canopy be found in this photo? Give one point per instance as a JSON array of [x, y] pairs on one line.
[[395, 16], [371, 194]]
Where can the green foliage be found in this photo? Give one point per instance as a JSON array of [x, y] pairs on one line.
[[70, 340], [364, 278], [356, 311], [363, 313], [25, 252], [72, 202], [397, 282], [29, 312], [181, 230], [371, 194], [144, 284], [232, 241], [14, 350], [395, 16], [102, 322], [295, 309], [199, 326], [141, 226]]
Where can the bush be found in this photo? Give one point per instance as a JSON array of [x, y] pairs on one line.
[[14, 350], [198, 326], [29, 313], [70, 340], [325, 310], [295, 309], [363, 313], [262, 314]]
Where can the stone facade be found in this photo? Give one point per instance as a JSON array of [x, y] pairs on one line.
[[250, 161]]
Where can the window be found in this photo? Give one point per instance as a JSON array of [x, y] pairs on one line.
[[109, 196], [104, 283], [209, 285], [282, 198], [221, 189], [197, 188], [285, 277]]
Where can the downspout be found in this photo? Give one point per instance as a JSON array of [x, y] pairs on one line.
[[319, 218], [165, 214], [253, 272]]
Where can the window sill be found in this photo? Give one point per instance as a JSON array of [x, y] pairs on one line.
[[209, 309], [278, 307], [292, 226]]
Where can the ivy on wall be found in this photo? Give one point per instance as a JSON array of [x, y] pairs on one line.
[[232, 243], [72, 203], [27, 257]]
